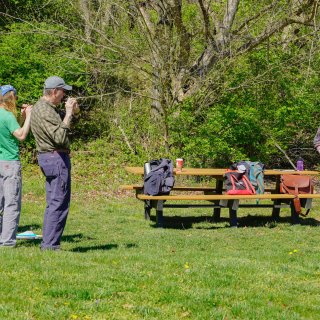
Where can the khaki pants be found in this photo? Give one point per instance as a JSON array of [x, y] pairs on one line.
[[10, 201]]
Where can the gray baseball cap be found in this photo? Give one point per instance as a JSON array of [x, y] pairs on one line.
[[56, 82]]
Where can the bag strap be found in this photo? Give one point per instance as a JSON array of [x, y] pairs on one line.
[[249, 184], [286, 188], [233, 180], [296, 200], [305, 214]]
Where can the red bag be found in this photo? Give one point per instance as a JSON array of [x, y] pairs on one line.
[[295, 184], [238, 183]]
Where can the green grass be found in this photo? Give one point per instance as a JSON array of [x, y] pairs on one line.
[[116, 265]]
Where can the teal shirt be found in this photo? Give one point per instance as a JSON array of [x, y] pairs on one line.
[[9, 145]]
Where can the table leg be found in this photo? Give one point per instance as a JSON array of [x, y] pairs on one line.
[[159, 214], [306, 203], [233, 218], [147, 209], [233, 208], [217, 211], [276, 210]]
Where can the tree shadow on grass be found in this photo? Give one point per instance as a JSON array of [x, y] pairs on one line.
[[103, 247], [249, 221], [74, 238], [94, 248]]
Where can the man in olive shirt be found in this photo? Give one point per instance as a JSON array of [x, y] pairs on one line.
[[53, 146]]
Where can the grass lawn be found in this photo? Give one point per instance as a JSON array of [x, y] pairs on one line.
[[116, 265]]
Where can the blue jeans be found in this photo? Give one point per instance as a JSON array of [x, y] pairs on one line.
[[56, 167], [10, 201]]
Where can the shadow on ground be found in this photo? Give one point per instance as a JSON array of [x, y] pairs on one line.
[[29, 227], [207, 222], [72, 238], [93, 248], [103, 247]]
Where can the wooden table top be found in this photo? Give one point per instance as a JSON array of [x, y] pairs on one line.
[[218, 172]]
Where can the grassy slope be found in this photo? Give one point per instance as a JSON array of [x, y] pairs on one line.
[[115, 265]]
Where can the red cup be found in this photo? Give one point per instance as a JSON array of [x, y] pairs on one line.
[[179, 164]]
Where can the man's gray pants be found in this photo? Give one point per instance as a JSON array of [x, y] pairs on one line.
[[56, 167], [10, 201]]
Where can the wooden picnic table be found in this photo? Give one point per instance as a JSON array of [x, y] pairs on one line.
[[215, 194], [219, 172]]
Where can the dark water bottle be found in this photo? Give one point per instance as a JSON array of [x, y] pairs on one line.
[[300, 164]]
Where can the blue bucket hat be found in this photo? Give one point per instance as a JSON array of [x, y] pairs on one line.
[[6, 88]]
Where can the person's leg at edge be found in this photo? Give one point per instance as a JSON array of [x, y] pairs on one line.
[[10, 202], [1, 200]]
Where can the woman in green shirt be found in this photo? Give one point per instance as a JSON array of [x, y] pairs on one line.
[[10, 167]]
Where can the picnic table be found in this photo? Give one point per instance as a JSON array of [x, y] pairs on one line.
[[214, 196]]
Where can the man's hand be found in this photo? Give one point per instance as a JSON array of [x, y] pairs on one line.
[[76, 108], [72, 107], [318, 149]]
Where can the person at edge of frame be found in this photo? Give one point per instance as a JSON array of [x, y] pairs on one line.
[[316, 140], [53, 147], [10, 166]]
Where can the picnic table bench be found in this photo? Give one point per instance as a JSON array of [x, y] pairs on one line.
[[214, 197]]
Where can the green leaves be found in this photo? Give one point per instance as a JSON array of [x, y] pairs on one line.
[[28, 57]]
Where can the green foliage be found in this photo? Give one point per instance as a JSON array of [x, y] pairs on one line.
[[35, 10], [28, 58], [225, 134], [268, 95]]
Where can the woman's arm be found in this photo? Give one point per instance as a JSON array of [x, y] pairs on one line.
[[22, 132]]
